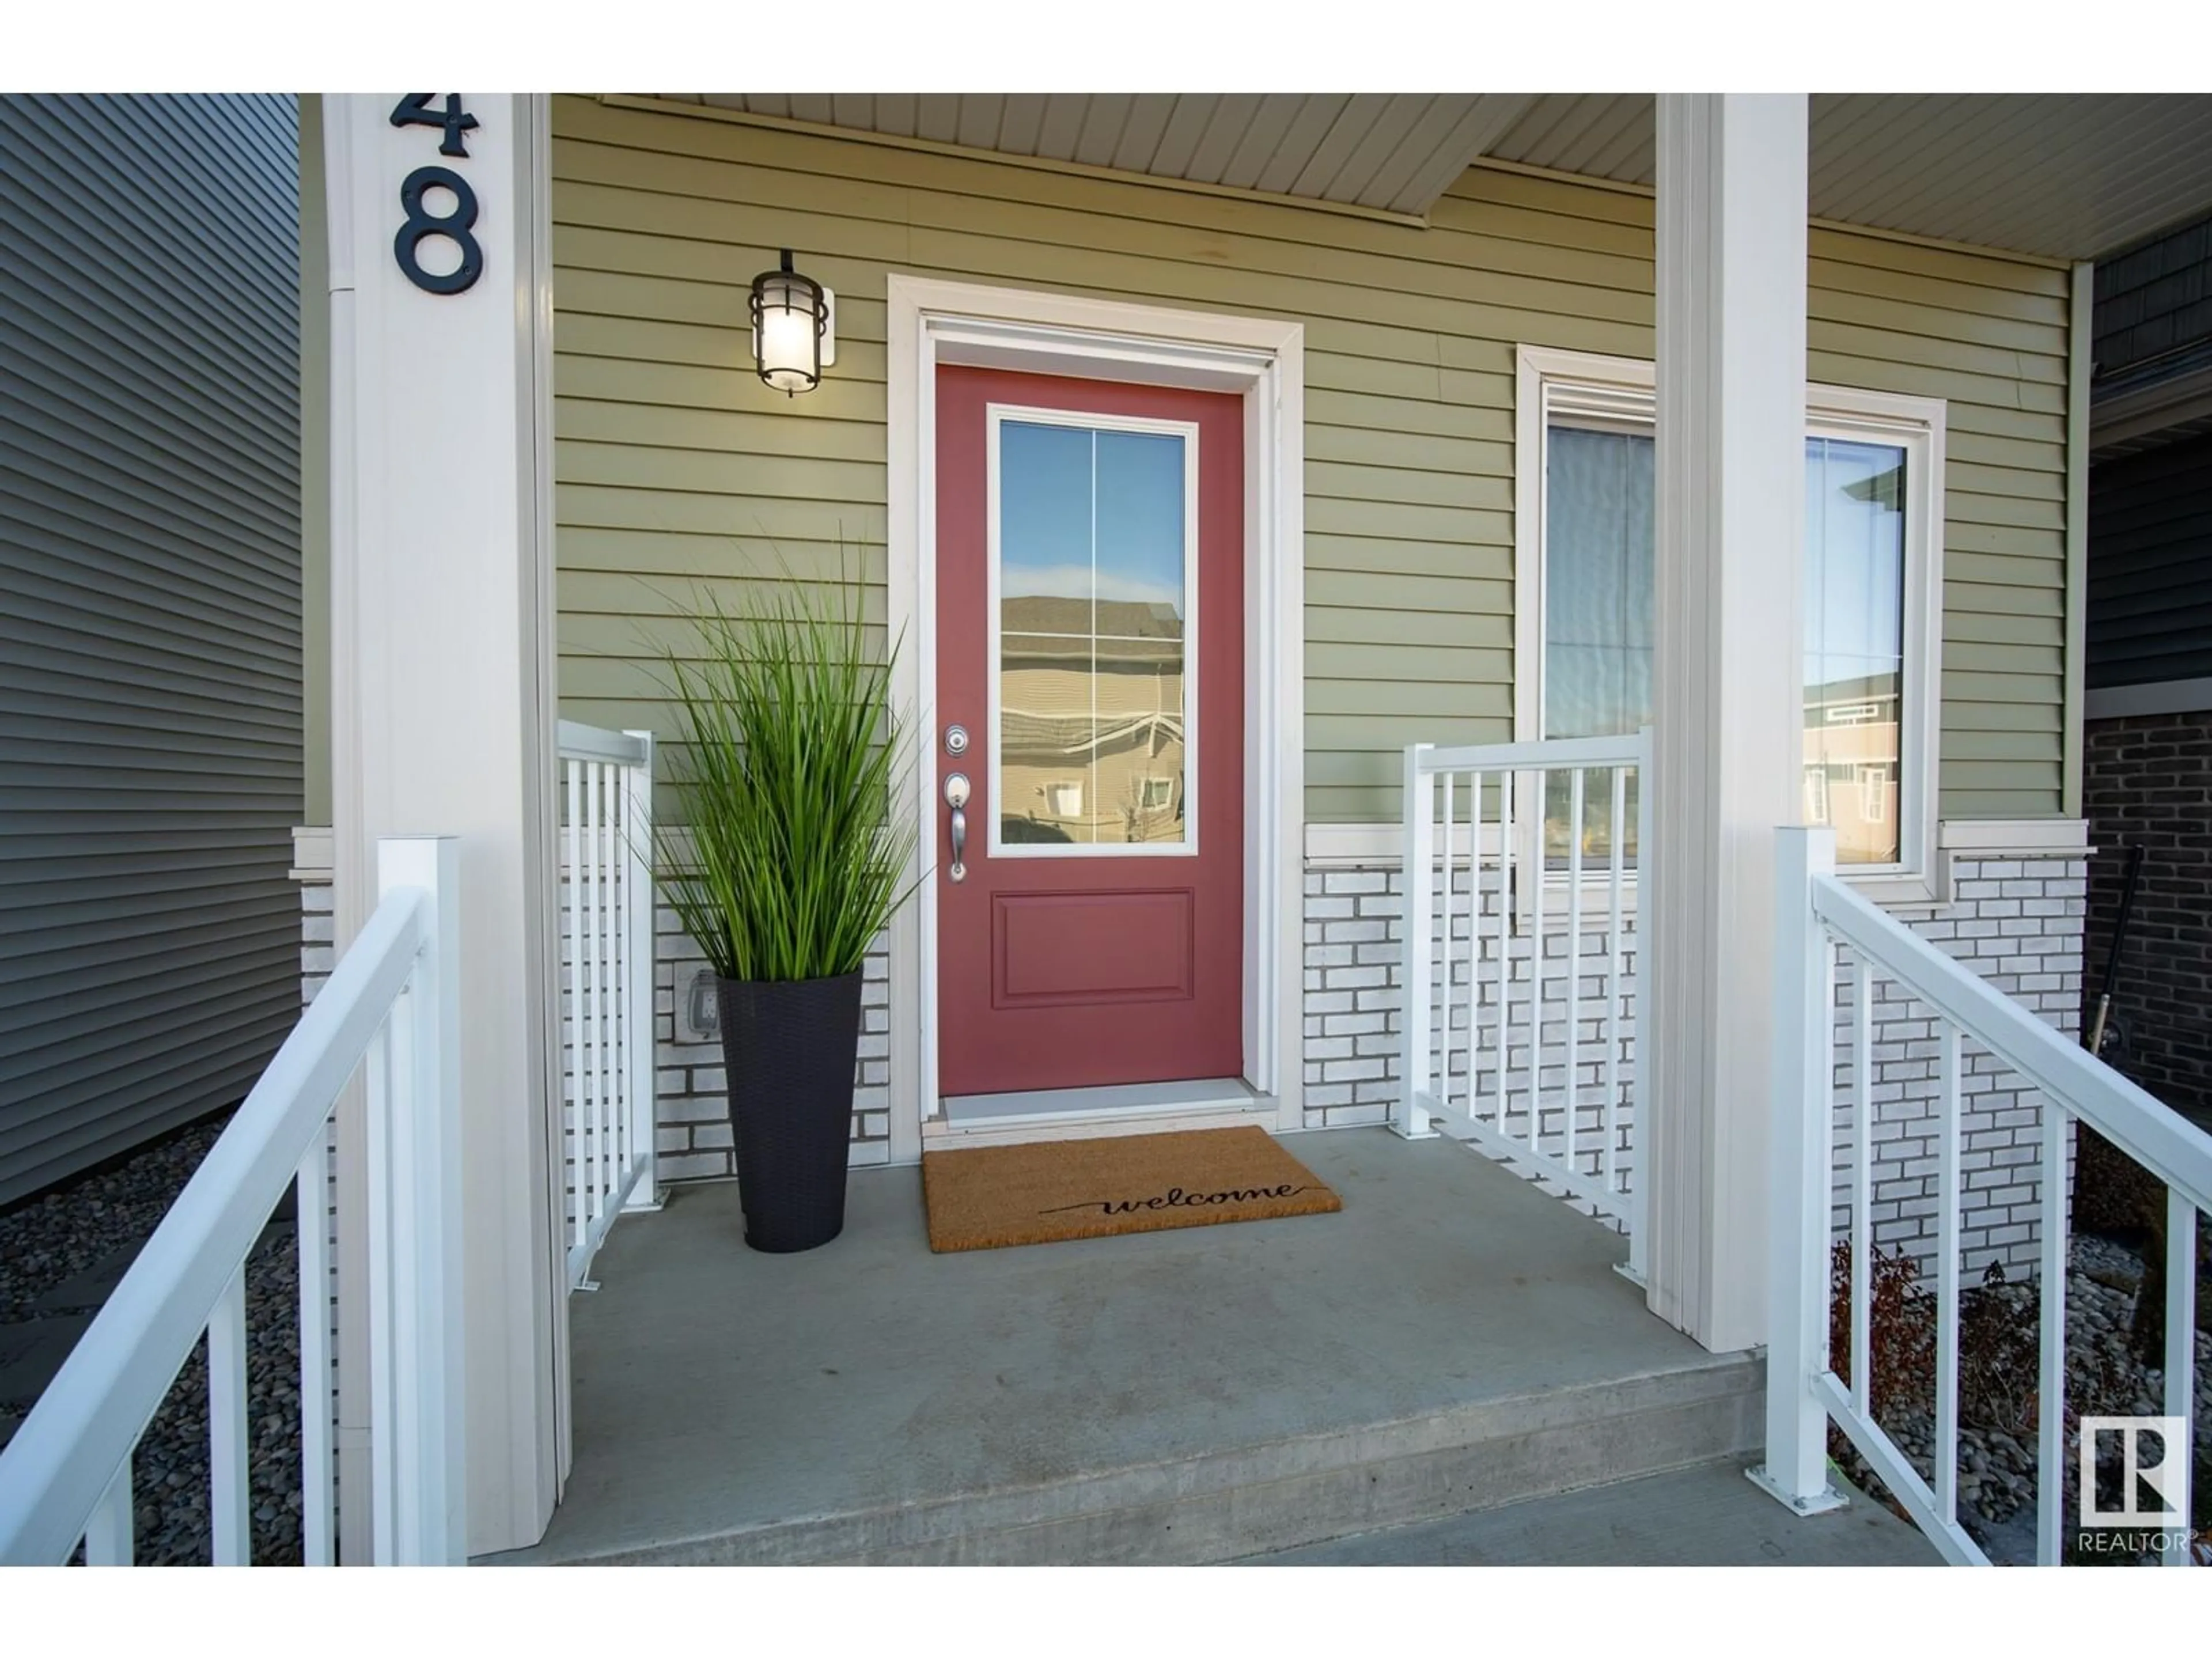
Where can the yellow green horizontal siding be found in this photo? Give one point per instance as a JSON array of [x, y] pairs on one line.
[[676, 469]]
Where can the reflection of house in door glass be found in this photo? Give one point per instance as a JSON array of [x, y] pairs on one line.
[[1090, 728], [1091, 668]]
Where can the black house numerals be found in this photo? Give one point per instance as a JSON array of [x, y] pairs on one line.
[[414, 111]]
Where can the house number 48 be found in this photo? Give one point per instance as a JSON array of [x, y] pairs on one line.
[[454, 225]]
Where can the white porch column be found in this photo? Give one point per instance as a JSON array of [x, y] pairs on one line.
[[443, 706], [1728, 692]]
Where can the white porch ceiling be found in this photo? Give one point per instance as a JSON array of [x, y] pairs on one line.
[[1394, 150], [2072, 176], [2065, 175]]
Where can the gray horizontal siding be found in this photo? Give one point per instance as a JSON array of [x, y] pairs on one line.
[[150, 635], [2155, 301], [2150, 567]]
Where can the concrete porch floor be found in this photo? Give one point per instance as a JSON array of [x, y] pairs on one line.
[[1452, 1340]]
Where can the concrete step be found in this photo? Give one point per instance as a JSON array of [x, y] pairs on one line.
[[1282, 1494], [1706, 1516]]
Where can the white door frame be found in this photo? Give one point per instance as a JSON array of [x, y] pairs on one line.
[[931, 323]]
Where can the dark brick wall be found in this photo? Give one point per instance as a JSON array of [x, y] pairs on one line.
[[2148, 781]]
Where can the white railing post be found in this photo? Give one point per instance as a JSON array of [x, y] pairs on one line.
[[1796, 1467], [638, 1030], [415, 1201], [1412, 1117]]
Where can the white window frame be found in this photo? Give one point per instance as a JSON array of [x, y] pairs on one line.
[[995, 418], [1619, 390]]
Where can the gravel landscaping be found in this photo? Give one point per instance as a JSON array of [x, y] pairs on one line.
[[62, 1252], [2000, 1349]]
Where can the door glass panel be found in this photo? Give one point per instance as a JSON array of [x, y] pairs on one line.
[[1091, 676]]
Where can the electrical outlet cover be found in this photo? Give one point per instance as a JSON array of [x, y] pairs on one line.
[[698, 1016]]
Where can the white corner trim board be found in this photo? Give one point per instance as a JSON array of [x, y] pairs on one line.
[[929, 322]]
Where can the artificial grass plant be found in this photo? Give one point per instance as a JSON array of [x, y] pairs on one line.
[[790, 764]]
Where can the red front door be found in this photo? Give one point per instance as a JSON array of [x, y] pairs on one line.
[[1090, 646]]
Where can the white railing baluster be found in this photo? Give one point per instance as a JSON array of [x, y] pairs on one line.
[[1862, 1244], [617, 1074], [2050, 1392], [573, 1084], [1448, 782], [1647, 876], [108, 1541], [1538, 879], [588, 1065], [605, 1189], [1509, 834], [638, 976], [385, 1071], [318, 1489], [1418, 871], [1617, 825], [230, 1481], [1573, 1090], [1947, 1272], [2180, 1385], [1473, 943]]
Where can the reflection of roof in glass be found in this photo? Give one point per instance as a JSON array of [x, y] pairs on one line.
[[1861, 688], [1111, 655], [1025, 734], [1041, 614]]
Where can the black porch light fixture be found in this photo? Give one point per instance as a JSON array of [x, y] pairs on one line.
[[794, 337]]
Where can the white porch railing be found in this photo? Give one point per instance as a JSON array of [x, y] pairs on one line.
[[1520, 1006], [1815, 912], [392, 1001], [607, 963]]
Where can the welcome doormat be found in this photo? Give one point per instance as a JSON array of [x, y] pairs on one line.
[[982, 1198]]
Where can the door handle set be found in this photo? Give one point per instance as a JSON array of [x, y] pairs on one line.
[[956, 797]]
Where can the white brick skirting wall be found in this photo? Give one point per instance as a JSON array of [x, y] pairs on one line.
[[2018, 921], [1354, 1006], [693, 1143], [311, 869]]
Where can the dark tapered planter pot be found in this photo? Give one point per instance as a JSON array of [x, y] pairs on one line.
[[790, 1047]]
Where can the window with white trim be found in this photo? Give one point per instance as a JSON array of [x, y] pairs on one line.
[[1872, 594]]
